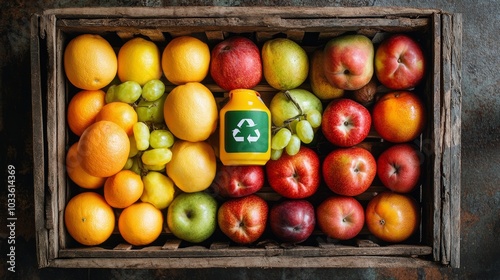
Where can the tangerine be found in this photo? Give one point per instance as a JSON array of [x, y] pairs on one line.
[[123, 189], [83, 109], [399, 116], [139, 61], [103, 149], [77, 174], [90, 62], [89, 219], [392, 217], [120, 113], [140, 223], [185, 59]]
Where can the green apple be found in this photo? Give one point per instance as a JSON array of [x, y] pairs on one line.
[[283, 108], [192, 216]]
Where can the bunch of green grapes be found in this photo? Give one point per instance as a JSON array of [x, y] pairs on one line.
[[151, 140], [290, 137], [149, 148]]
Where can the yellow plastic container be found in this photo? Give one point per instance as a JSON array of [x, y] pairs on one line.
[[245, 129]]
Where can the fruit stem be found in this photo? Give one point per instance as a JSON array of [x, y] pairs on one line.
[[288, 121], [289, 97]]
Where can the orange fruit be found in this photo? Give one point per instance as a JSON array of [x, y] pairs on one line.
[[89, 219], [103, 149], [83, 109], [190, 112], [193, 165], [120, 113], [123, 189], [399, 116], [392, 217], [140, 223], [185, 59], [139, 61], [90, 62], [76, 172]]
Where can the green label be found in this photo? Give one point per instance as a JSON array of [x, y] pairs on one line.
[[246, 131]]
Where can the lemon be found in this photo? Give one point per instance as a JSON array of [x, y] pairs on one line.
[[190, 112], [193, 165], [158, 189], [139, 61], [285, 63]]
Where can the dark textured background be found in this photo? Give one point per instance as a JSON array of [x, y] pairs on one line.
[[480, 208]]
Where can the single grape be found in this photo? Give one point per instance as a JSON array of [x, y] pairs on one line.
[[280, 139], [161, 138], [110, 94], [293, 146], [133, 146], [314, 118], [151, 111], [129, 163], [153, 90], [128, 92], [155, 167], [305, 131], [276, 154], [141, 135], [135, 166], [159, 156]]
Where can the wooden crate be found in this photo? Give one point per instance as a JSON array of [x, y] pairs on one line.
[[436, 243]]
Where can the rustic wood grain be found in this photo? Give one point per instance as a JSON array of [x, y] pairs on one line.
[[245, 261], [38, 144], [455, 123]]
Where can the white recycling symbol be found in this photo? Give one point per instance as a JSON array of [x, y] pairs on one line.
[[250, 138]]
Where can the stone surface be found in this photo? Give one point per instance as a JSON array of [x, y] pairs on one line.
[[480, 222]]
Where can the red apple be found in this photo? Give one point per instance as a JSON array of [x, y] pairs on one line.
[[399, 62], [340, 217], [398, 167], [236, 63], [238, 180], [243, 219], [292, 220], [295, 176], [348, 61], [345, 122], [349, 171]]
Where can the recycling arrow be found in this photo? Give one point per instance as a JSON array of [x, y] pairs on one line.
[[250, 138]]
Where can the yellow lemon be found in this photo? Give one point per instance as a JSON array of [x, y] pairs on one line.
[[158, 189], [190, 112], [193, 165], [139, 61]]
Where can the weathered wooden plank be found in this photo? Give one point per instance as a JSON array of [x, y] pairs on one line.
[[244, 24], [434, 154], [217, 11], [38, 144], [245, 261], [51, 202], [455, 123]]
